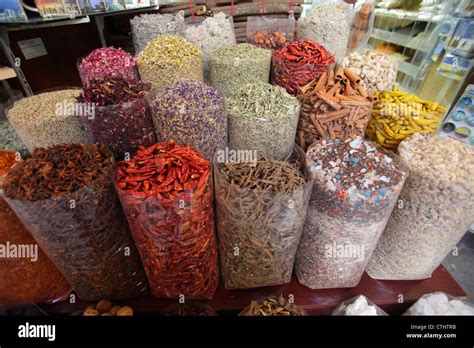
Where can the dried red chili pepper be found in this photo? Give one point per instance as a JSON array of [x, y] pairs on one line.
[[298, 63], [166, 193]]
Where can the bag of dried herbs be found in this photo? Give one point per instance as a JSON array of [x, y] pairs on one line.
[[261, 209], [64, 196], [191, 113], [167, 194], [115, 112], [263, 117], [26, 274]]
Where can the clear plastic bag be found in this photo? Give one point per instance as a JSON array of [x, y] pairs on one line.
[[440, 303], [270, 32], [122, 127], [345, 218], [359, 305], [362, 24], [86, 235], [24, 277], [259, 231], [272, 306]]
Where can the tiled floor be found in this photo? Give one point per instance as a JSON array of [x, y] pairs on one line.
[[462, 266]]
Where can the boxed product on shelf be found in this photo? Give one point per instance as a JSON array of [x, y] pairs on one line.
[[12, 11], [58, 8]]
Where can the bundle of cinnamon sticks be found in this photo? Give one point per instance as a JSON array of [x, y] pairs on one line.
[[334, 106]]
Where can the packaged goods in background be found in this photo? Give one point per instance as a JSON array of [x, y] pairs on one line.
[[270, 32], [436, 208], [166, 192], [355, 190], [47, 119], [397, 115], [64, 196], [261, 209], [191, 113], [377, 71], [169, 59], [120, 117], [210, 34], [440, 303], [107, 62], [359, 305], [272, 307], [235, 66], [26, 273], [298, 63], [148, 26], [329, 24], [334, 106], [362, 23], [264, 118]]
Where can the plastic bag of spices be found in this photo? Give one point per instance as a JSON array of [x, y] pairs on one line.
[[359, 305], [270, 32], [440, 303], [272, 307], [167, 194], [362, 23], [261, 209], [64, 196], [355, 190], [121, 120], [26, 273], [435, 209]]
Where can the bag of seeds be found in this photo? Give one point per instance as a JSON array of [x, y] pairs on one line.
[[261, 209], [270, 32], [440, 303], [169, 59], [329, 24], [232, 67], [167, 194], [210, 34], [334, 106], [272, 307], [359, 305], [191, 113], [264, 118], [115, 112], [26, 273], [147, 27], [64, 196], [355, 190], [299, 63], [436, 208], [47, 119]]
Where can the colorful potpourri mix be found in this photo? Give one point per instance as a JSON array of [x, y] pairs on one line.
[[167, 195], [64, 196], [107, 62], [121, 117], [24, 280], [298, 63]]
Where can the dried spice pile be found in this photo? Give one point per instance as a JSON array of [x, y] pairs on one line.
[[328, 24], [23, 280], [437, 209], [334, 106], [263, 117], [355, 190], [147, 27], [235, 66], [41, 123], [260, 212], [397, 115], [107, 62], [121, 119], [269, 32], [191, 113], [166, 193], [169, 59], [298, 63], [65, 198], [272, 307]]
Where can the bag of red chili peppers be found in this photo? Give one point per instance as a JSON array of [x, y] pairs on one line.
[[26, 274], [269, 32], [298, 63], [65, 197], [167, 195]]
